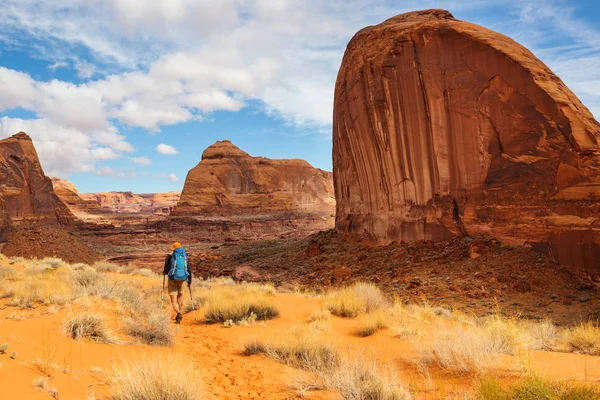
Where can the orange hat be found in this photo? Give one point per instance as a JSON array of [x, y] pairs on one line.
[[175, 246]]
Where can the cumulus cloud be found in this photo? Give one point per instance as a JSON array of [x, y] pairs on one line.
[[142, 68], [173, 178], [166, 149], [61, 150], [142, 161]]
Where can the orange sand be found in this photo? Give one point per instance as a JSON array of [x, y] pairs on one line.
[[83, 368]]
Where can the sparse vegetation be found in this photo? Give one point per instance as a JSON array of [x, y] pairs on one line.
[[53, 262], [373, 322], [361, 378], [237, 303], [320, 315], [359, 298], [459, 350], [156, 378], [534, 388], [153, 329], [583, 338], [105, 266], [40, 382], [300, 347], [90, 326]]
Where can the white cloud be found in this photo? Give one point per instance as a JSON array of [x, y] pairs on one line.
[[142, 161], [173, 178], [166, 149], [177, 60], [61, 150], [58, 64]]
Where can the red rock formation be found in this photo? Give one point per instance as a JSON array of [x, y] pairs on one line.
[[128, 202], [69, 195], [442, 127], [229, 180], [26, 194]]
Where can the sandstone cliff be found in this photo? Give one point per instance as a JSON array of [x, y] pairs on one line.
[[128, 202], [229, 180], [442, 127], [69, 195], [26, 194]]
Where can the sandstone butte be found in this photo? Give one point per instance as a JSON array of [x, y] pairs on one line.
[[26, 194], [230, 181], [442, 128], [132, 202]]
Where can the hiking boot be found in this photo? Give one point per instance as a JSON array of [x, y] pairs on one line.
[[178, 318]]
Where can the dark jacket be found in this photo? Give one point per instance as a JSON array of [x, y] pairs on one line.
[[167, 267]]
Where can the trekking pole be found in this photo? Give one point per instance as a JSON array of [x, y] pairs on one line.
[[163, 290], [193, 305]]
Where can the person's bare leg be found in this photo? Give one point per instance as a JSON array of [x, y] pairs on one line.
[[174, 303], [180, 301]]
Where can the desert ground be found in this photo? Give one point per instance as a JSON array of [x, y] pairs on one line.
[[103, 331]]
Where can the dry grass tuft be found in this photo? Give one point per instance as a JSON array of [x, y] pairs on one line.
[[320, 315], [359, 298], [7, 273], [90, 326], [153, 329], [359, 378], [105, 266], [53, 262], [237, 303], [300, 347], [583, 338], [373, 322], [156, 378], [534, 388], [460, 351], [46, 289], [40, 382]]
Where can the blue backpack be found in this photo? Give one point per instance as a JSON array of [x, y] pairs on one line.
[[179, 265]]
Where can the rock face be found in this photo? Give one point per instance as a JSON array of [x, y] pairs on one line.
[[229, 180], [128, 202], [69, 195], [26, 194], [442, 128]]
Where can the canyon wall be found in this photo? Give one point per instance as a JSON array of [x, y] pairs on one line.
[[443, 128]]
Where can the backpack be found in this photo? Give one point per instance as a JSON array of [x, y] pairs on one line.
[[179, 265]]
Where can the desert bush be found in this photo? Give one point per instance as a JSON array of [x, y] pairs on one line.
[[105, 266], [534, 388], [373, 322], [300, 347], [459, 350], [156, 378], [359, 298], [53, 262], [153, 328], [148, 273], [90, 326], [360, 378], [7, 273], [6, 289], [199, 300], [15, 260], [131, 296], [319, 315], [40, 382], [3, 257], [238, 302], [47, 291], [508, 333], [80, 266], [128, 269], [544, 334], [86, 278], [583, 338]]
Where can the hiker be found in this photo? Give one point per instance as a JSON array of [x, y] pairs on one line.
[[176, 268]]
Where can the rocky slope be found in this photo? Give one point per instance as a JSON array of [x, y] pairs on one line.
[[230, 181], [26, 194], [443, 128], [69, 195]]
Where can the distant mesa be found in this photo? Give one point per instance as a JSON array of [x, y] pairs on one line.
[[26, 193], [443, 128], [230, 181], [114, 202]]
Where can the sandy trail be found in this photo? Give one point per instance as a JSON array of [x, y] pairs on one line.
[[82, 369]]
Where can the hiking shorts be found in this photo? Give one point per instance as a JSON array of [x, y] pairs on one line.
[[175, 288]]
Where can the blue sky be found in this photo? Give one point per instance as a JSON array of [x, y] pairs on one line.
[[99, 84]]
